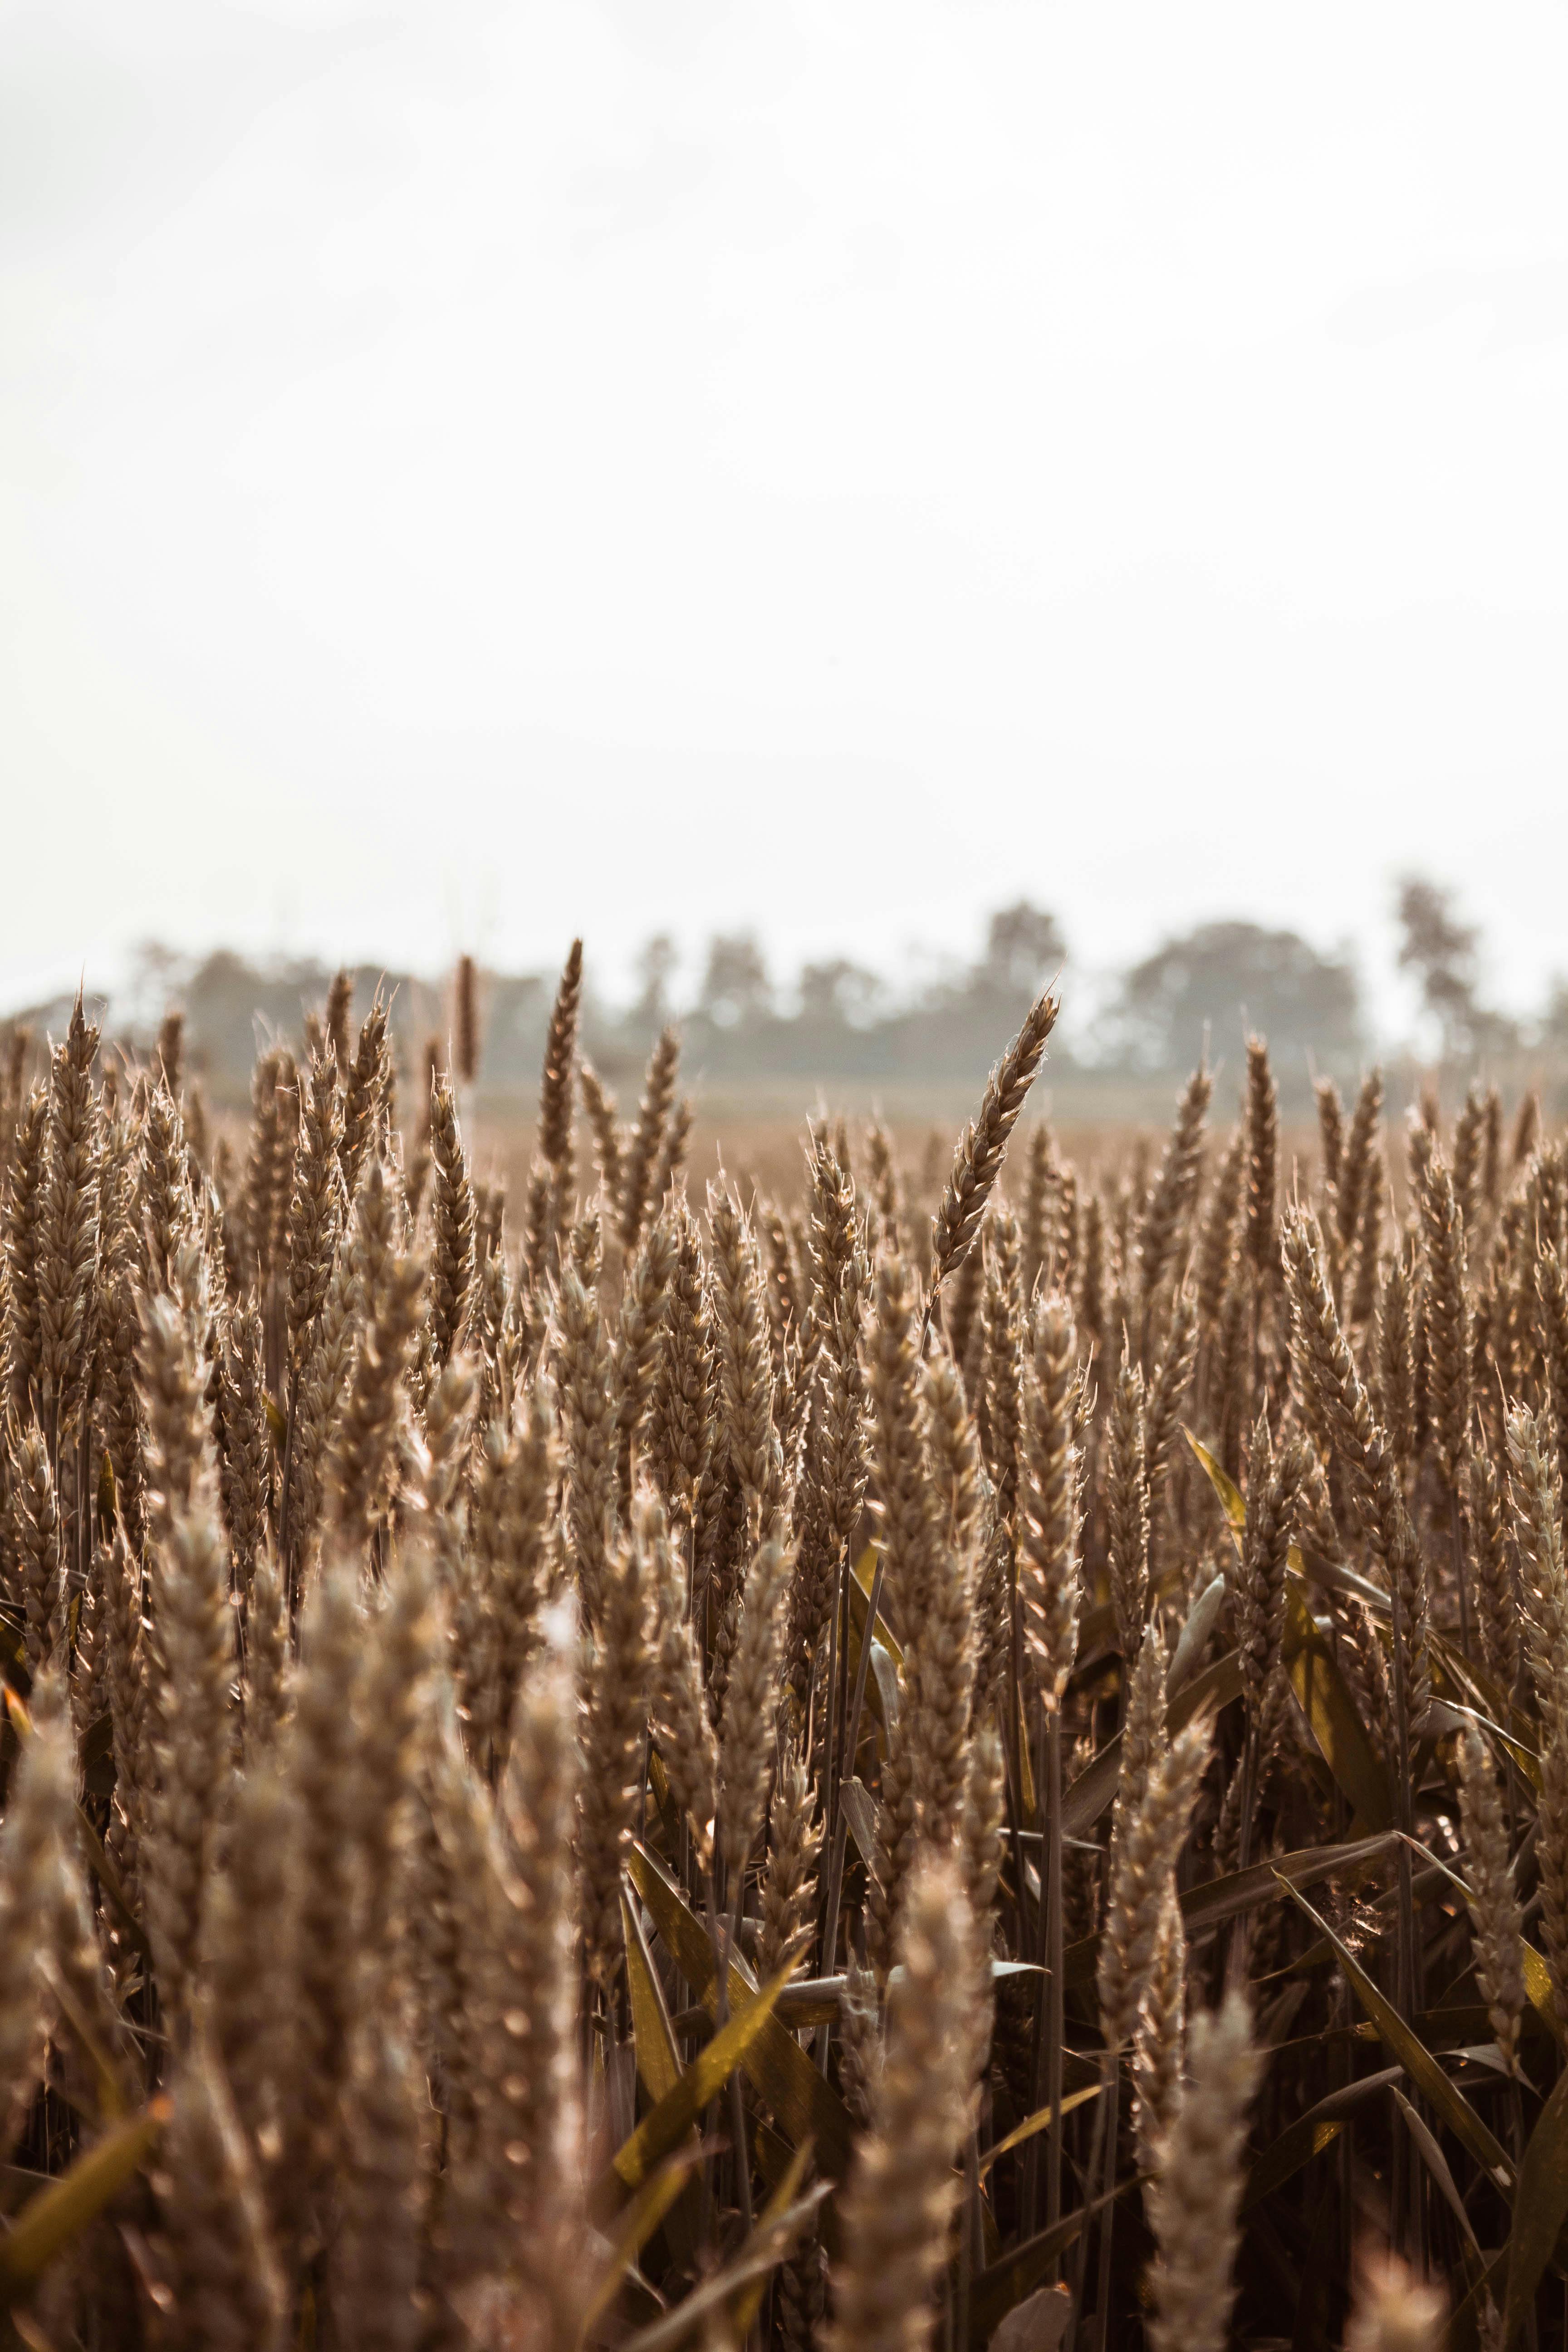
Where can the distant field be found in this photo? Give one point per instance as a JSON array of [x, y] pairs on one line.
[[755, 1138]]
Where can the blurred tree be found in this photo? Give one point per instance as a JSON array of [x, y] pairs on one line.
[[840, 995], [735, 986], [1444, 954], [1441, 952], [1554, 1020], [160, 977], [656, 965], [1023, 945], [1230, 977]]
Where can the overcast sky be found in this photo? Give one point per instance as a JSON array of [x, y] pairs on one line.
[[473, 472]]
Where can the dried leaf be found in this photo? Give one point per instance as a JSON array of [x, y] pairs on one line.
[[803, 2104], [1418, 2060], [663, 2129], [50, 2220]]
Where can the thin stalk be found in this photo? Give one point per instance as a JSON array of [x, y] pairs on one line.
[[828, 1786], [1402, 1739], [1236, 1958], [833, 1768], [284, 1508], [852, 1738], [830, 1919], [86, 1501], [842, 1698], [833, 1779], [1042, 2021], [1459, 1576], [1090, 2173], [926, 1319], [737, 2101], [1110, 2099], [1016, 1730], [272, 1339], [1516, 2149], [1056, 1992], [966, 2237], [721, 2019], [1406, 1956], [851, 1741], [52, 1443], [1015, 1832]]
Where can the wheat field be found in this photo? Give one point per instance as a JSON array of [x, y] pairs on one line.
[[956, 1750]]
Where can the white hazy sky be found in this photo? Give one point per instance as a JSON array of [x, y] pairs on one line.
[[469, 472]]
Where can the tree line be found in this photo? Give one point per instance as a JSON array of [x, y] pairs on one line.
[[1198, 994]]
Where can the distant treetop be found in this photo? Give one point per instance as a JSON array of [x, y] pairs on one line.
[[1023, 945], [1444, 956], [1225, 978]]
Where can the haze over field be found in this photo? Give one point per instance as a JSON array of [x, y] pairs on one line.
[[717, 456], [746, 1030]]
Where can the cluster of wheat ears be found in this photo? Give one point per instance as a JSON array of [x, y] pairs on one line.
[[871, 1770]]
